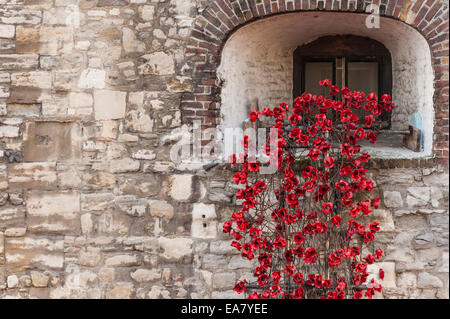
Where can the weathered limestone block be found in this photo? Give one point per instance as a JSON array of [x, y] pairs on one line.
[[181, 187], [180, 84], [33, 253], [41, 144], [223, 247], [92, 78], [115, 224], [224, 280], [122, 261], [426, 281], [9, 131], [147, 12], [144, 155], [121, 290], [146, 275], [161, 209], [39, 279], [138, 121], [87, 224], [7, 31], [392, 199], [389, 280], [124, 165], [18, 15], [90, 257], [12, 281], [384, 217], [53, 212], [101, 202], [204, 221], [2, 243], [15, 232], [175, 249], [32, 175], [237, 262], [44, 40], [444, 263], [228, 294], [109, 105], [107, 274], [407, 280], [158, 63], [423, 240], [418, 196], [11, 217], [130, 42]]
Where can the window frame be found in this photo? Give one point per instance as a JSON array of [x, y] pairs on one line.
[[354, 49]]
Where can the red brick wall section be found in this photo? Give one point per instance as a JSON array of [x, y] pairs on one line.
[[222, 17]]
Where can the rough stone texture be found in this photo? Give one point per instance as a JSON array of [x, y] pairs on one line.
[[91, 204]]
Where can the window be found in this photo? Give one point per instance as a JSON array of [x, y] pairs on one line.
[[359, 63]]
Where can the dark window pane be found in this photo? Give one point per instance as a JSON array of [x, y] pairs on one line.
[[314, 72], [363, 77]]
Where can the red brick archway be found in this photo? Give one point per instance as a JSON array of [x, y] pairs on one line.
[[222, 17]]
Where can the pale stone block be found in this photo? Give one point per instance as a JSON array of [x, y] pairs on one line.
[[106, 274], [175, 249], [39, 79], [87, 225], [139, 121], [224, 280], [392, 199], [13, 281], [158, 63], [130, 42], [92, 78], [204, 221], [426, 281], [420, 196], [28, 253], [124, 165], [9, 131], [39, 279], [161, 209], [56, 212], [15, 232], [7, 31], [180, 187], [389, 280], [146, 275], [444, 262], [32, 175], [77, 100], [122, 261], [121, 290], [144, 155], [147, 12], [109, 105]]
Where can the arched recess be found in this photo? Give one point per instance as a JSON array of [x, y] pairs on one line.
[[421, 26]]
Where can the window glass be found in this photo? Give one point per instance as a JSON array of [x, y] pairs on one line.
[[315, 72]]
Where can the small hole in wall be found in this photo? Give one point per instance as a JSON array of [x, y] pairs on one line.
[[203, 216], [204, 225]]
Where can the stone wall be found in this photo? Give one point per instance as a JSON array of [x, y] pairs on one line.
[[91, 206]]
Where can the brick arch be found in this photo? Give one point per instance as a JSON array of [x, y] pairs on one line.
[[221, 18]]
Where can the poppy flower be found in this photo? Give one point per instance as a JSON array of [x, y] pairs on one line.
[[313, 154], [280, 242], [375, 202], [372, 137], [289, 269], [325, 82], [240, 287], [381, 274], [299, 239], [254, 115], [276, 276], [327, 208], [310, 256], [328, 162], [227, 227]]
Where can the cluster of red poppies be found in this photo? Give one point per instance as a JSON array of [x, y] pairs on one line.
[[281, 236]]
